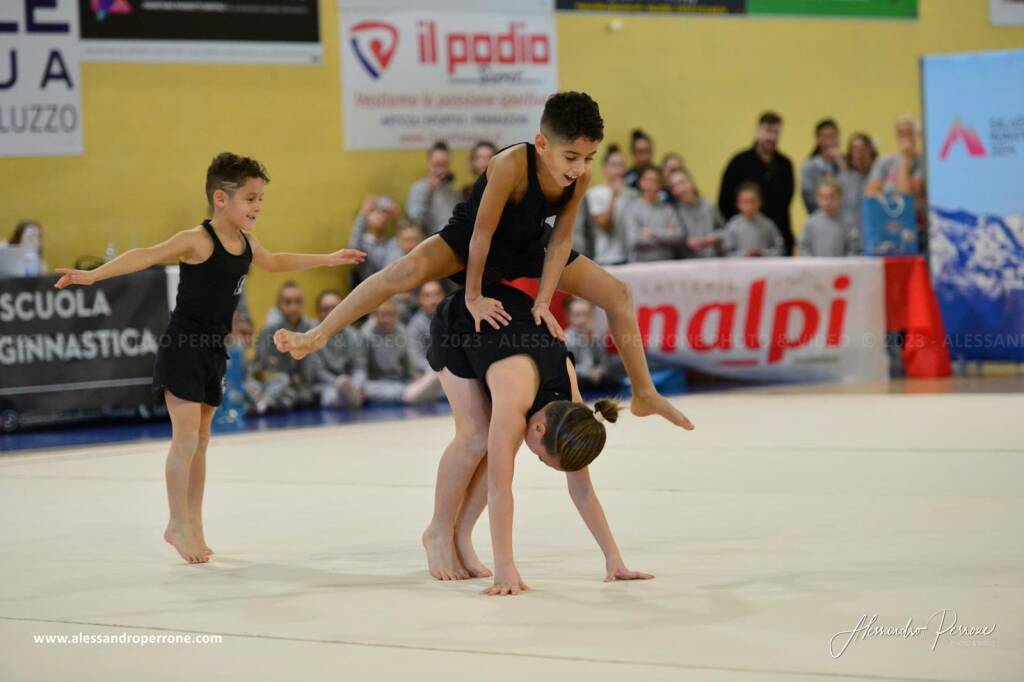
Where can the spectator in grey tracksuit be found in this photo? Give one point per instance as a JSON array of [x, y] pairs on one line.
[[750, 232], [827, 232], [340, 366], [370, 234], [701, 219], [431, 200], [391, 372], [825, 161], [277, 381], [418, 329], [595, 368], [653, 229]]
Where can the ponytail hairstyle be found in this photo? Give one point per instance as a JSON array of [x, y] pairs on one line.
[[576, 433], [609, 151]]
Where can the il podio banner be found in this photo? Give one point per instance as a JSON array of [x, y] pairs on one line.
[[811, 319], [412, 77], [78, 348], [40, 83]]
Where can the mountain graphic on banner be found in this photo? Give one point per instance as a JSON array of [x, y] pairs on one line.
[[981, 254], [969, 136]]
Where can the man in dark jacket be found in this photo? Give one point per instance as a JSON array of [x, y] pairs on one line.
[[771, 169]]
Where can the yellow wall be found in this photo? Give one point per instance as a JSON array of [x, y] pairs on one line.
[[695, 84]]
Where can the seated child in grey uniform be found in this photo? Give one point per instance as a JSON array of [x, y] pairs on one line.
[[827, 232], [391, 372], [340, 366], [654, 230], [418, 329], [277, 381], [595, 368], [750, 232]]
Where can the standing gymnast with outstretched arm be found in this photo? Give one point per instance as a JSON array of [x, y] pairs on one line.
[[500, 233], [507, 385]]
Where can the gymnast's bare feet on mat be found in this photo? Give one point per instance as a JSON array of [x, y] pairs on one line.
[[476, 568], [647, 404], [442, 562], [197, 531], [181, 538]]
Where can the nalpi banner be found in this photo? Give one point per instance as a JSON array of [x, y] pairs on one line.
[[224, 31], [411, 77], [40, 82], [1007, 12], [79, 348], [807, 319], [974, 116], [709, 7], [865, 9]]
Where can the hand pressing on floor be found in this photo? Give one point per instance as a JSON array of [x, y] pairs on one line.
[[506, 582], [616, 570]]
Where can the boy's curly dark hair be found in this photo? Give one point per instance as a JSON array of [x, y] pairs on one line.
[[229, 171], [570, 116]]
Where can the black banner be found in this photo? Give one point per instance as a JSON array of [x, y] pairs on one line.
[[78, 349], [662, 7], [274, 21]]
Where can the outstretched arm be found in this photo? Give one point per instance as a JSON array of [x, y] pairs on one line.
[[179, 246], [287, 262], [581, 490]]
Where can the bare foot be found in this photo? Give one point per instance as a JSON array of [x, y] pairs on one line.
[[442, 561], [298, 344], [476, 568], [197, 531], [655, 403], [181, 538]]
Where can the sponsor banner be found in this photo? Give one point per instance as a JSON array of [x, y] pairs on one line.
[[79, 348], [974, 133], [40, 81], [870, 9], [1007, 12], [225, 31], [411, 77], [808, 319], [661, 7]]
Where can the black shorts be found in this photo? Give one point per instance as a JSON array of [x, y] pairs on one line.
[[193, 374], [504, 261], [447, 349], [455, 345]]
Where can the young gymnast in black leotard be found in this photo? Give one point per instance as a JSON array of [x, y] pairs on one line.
[[508, 384], [500, 233]]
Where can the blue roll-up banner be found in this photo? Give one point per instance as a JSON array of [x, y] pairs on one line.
[[974, 129]]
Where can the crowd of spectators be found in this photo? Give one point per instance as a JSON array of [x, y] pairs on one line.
[[642, 211]]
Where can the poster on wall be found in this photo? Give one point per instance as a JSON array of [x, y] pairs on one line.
[[974, 133], [709, 7], [226, 31], [40, 80], [864, 9], [1007, 12], [413, 76]]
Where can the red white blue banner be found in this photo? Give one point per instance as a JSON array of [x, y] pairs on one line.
[[785, 319], [411, 76]]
